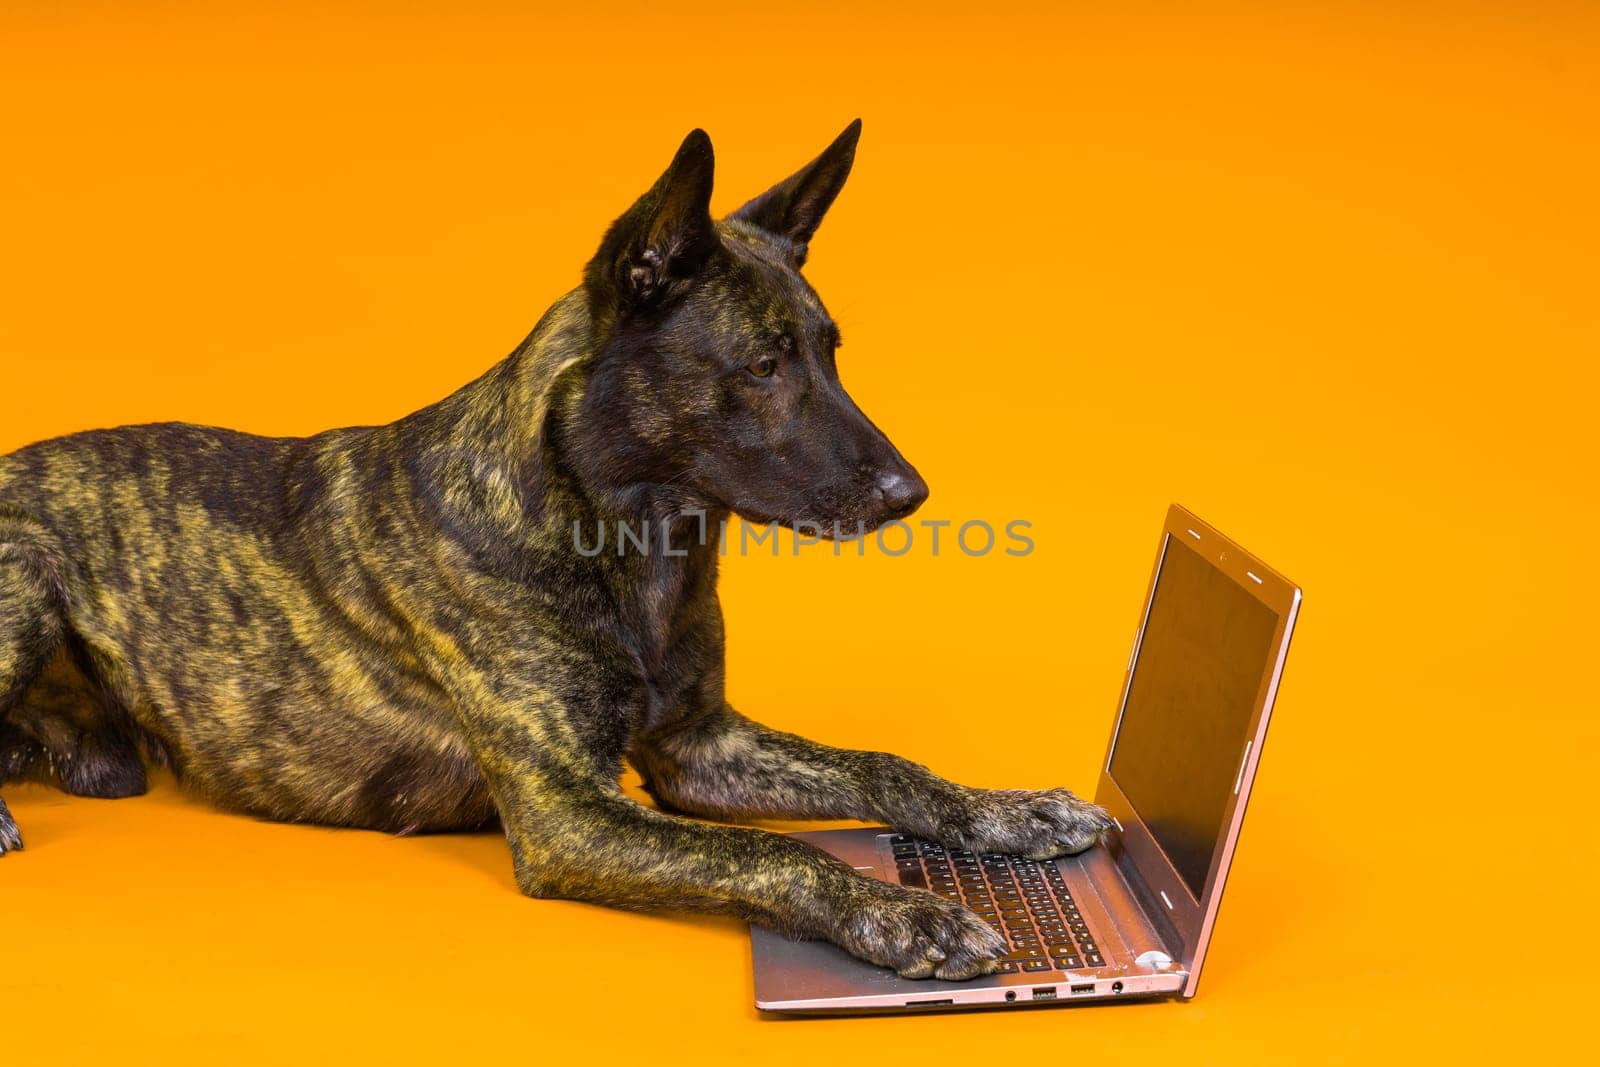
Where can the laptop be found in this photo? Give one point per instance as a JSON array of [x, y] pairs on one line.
[[1131, 917]]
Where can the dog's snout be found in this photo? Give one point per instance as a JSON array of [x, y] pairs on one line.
[[902, 492]]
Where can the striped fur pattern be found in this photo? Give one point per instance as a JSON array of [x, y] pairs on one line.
[[389, 626]]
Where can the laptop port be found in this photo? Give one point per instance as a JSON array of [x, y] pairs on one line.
[[1044, 992], [1087, 987]]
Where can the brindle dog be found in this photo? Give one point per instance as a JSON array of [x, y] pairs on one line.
[[391, 627]]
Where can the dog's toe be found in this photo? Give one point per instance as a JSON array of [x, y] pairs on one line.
[[972, 947], [10, 836], [1075, 824]]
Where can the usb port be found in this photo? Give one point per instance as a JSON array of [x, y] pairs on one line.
[[1044, 992], [1087, 987]]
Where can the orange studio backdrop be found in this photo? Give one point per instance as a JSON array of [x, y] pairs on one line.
[[1322, 272]]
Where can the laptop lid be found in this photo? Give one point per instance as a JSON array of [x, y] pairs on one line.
[[1195, 704]]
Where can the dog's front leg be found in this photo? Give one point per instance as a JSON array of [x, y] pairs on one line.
[[573, 834], [723, 765]]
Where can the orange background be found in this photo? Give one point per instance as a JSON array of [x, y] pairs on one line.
[[1326, 276]]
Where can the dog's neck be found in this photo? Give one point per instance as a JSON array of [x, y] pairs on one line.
[[517, 468]]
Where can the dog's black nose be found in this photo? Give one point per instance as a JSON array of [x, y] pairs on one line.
[[902, 492]]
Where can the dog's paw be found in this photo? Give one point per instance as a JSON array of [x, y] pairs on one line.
[[921, 935], [10, 838], [1040, 825]]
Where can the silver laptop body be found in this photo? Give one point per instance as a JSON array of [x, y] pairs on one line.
[[1195, 704]]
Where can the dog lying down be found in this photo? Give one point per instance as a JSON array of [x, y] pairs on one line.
[[390, 627]]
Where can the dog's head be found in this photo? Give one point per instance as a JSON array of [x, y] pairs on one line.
[[717, 378]]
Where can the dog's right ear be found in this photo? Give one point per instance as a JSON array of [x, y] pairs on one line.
[[663, 239]]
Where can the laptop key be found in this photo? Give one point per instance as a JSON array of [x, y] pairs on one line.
[[1023, 954]]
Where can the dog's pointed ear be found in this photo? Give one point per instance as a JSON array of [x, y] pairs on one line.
[[664, 238], [794, 208]]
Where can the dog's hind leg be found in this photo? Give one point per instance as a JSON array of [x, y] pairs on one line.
[[68, 732], [31, 625]]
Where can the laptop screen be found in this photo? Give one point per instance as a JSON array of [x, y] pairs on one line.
[[1180, 744]]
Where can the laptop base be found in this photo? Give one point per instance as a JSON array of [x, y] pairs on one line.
[[814, 977]]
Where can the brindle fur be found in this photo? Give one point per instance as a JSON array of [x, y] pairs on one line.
[[389, 626]]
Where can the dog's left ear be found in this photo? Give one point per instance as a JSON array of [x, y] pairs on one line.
[[664, 238], [794, 208]]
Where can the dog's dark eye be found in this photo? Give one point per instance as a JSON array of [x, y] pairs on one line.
[[763, 366]]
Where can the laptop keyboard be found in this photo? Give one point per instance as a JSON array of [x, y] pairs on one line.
[[1025, 900]]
